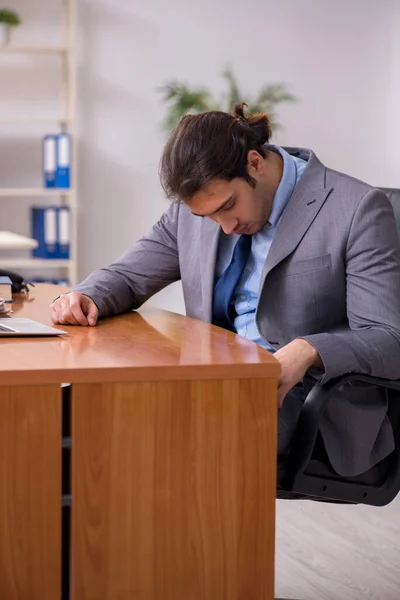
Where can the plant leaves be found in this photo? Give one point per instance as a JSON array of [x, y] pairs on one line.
[[183, 99]]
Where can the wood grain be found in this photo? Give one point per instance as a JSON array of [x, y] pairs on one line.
[[30, 498], [150, 345], [174, 490]]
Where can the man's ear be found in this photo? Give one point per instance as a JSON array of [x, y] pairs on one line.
[[255, 163]]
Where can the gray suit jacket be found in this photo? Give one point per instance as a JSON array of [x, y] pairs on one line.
[[332, 277]]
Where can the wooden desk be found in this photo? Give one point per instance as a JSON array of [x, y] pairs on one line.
[[173, 460]]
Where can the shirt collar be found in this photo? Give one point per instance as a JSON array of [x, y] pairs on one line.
[[285, 187]]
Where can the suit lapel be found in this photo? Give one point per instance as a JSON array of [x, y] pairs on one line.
[[209, 238], [304, 205]]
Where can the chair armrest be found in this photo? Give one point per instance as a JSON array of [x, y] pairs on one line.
[[303, 441]]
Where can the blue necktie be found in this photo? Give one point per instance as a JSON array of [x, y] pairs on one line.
[[223, 313]]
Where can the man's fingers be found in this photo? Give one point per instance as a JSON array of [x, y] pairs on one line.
[[53, 314], [67, 317], [74, 309], [60, 312], [92, 313], [77, 313]]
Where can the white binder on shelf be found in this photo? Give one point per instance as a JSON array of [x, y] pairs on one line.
[[49, 160], [63, 231], [50, 231], [63, 154]]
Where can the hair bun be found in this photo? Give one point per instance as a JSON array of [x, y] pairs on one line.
[[259, 123], [238, 111]]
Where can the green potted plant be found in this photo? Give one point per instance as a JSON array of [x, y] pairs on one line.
[[183, 99], [8, 19]]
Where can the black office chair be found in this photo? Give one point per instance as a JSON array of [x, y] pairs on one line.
[[307, 470]]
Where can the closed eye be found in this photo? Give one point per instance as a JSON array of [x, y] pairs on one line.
[[227, 205], [230, 205]]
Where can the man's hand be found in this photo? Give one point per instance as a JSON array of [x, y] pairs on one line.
[[295, 359], [74, 309]]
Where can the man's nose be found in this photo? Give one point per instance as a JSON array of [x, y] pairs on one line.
[[228, 225]]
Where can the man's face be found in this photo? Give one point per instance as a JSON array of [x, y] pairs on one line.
[[235, 205]]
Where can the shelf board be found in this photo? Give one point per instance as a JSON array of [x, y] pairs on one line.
[[33, 263], [35, 120], [43, 192], [32, 50]]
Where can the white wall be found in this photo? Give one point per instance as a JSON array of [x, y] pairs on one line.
[[394, 96], [341, 58]]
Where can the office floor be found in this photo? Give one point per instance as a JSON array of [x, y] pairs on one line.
[[337, 552]]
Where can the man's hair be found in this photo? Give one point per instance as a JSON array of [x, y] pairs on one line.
[[211, 145]]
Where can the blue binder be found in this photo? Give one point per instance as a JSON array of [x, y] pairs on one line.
[[63, 154], [49, 151], [44, 230], [51, 228]]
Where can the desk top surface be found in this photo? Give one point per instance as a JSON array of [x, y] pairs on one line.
[[148, 345]]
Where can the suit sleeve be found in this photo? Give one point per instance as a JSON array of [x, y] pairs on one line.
[[371, 344], [148, 266]]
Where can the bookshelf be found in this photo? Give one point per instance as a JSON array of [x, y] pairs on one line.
[[63, 122], [34, 263], [34, 192], [37, 50], [16, 119]]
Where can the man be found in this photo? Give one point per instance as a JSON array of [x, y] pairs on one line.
[[271, 244]]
